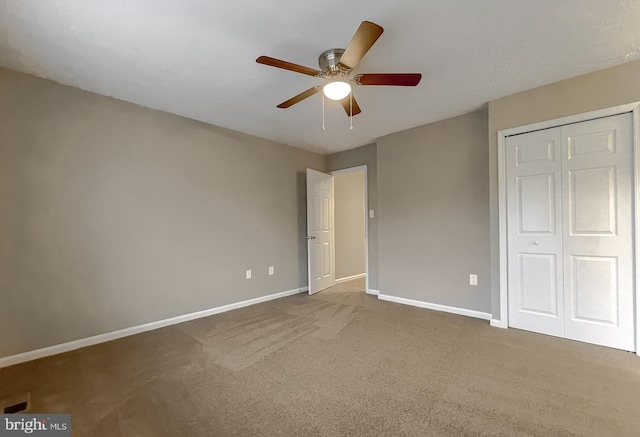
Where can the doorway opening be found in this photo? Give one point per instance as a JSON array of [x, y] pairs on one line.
[[331, 262], [351, 226]]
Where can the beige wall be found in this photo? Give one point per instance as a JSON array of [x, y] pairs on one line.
[[114, 215], [602, 89], [349, 224], [434, 213], [365, 155]]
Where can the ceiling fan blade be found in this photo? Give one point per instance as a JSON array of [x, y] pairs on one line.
[[347, 108], [300, 97], [392, 79], [364, 38], [273, 62]]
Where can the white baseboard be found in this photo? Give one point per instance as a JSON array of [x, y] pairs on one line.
[[102, 338], [498, 324], [436, 307], [374, 292], [350, 278]]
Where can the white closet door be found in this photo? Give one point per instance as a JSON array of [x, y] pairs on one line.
[[534, 227], [598, 235], [570, 232]]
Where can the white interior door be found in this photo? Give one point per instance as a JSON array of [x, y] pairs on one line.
[[569, 229], [534, 208], [598, 234], [320, 232]]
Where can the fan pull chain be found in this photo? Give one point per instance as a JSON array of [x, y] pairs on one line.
[[351, 110], [323, 112]]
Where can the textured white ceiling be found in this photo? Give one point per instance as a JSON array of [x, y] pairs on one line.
[[196, 58]]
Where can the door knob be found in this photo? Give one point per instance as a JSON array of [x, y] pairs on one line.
[[536, 243], [310, 237]]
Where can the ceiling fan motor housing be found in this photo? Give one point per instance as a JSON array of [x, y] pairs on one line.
[[329, 60]]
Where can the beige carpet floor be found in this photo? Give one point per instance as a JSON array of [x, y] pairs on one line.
[[339, 363]]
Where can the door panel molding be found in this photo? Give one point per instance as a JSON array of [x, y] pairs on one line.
[[581, 146]]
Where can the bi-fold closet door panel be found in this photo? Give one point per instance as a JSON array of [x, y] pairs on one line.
[[597, 180], [534, 209], [570, 234]]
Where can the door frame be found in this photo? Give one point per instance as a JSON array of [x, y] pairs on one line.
[[634, 109], [360, 168]]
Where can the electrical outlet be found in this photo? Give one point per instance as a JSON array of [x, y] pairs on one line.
[[473, 279], [270, 270], [248, 274], [371, 213]]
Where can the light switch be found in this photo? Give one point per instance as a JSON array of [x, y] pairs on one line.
[[473, 279], [371, 214]]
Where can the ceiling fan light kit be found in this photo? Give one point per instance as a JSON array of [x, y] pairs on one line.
[[336, 90], [335, 67]]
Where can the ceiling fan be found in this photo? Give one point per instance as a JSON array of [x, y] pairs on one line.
[[337, 64]]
